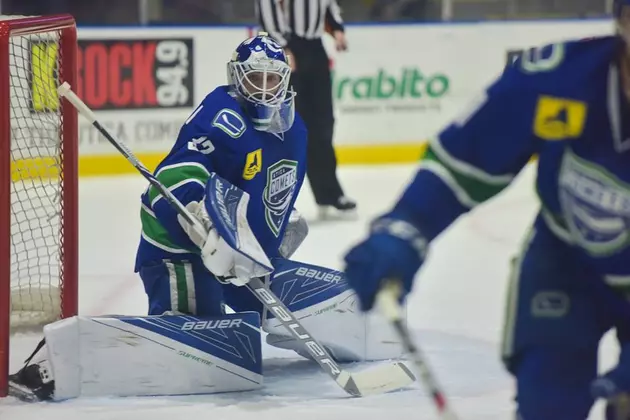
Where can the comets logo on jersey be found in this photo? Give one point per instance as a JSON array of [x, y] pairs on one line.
[[596, 206], [281, 184]]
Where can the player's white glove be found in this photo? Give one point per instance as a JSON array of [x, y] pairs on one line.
[[220, 259]]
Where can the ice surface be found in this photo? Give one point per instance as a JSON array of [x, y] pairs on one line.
[[455, 310]]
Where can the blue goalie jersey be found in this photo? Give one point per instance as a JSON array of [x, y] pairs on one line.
[[219, 138], [564, 103]]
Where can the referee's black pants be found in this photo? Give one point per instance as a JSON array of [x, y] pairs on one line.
[[313, 84]]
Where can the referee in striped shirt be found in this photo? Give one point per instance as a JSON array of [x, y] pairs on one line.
[[298, 25]]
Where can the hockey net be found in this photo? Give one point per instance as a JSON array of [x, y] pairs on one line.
[[38, 176]]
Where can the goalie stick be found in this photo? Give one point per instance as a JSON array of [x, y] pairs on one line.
[[387, 301], [377, 380]]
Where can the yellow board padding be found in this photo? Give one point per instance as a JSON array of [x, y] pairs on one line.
[[380, 154], [102, 165], [97, 165], [115, 164], [346, 155]]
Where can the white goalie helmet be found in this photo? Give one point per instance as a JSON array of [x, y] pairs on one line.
[[259, 75]]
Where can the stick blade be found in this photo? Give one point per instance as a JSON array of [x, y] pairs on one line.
[[378, 380]]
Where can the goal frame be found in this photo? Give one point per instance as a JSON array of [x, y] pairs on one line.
[[69, 155]]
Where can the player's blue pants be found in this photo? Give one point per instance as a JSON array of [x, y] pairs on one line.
[[188, 287], [557, 312]]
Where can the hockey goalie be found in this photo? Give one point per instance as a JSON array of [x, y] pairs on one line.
[[240, 157]]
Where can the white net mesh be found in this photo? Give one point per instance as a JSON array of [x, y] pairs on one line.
[[37, 184]]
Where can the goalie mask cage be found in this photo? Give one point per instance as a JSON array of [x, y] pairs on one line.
[[38, 177]]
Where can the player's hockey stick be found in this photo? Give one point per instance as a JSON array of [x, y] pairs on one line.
[[387, 301], [381, 379]]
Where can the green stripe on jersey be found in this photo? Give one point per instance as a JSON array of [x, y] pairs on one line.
[[182, 287], [157, 235], [478, 190], [176, 173]]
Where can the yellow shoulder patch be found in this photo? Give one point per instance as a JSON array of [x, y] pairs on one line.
[[253, 164], [559, 118]]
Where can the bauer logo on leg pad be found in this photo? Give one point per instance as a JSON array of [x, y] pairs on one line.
[[231, 337], [311, 273], [212, 324], [300, 285]]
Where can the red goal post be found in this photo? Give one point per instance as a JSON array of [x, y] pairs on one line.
[[38, 177]]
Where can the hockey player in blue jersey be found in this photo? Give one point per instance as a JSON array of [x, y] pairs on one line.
[[568, 103], [247, 133]]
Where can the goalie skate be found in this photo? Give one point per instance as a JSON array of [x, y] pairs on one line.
[[34, 382]]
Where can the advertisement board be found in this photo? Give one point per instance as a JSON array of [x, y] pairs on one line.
[[396, 86], [143, 83], [400, 84], [136, 73]]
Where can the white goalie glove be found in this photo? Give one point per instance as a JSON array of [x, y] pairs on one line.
[[219, 258]]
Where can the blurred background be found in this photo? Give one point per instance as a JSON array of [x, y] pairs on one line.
[[156, 12]]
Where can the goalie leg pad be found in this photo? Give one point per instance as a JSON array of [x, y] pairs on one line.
[[156, 355], [321, 298], [184, 287]]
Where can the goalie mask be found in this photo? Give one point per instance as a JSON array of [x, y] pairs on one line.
[[258, 75]]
